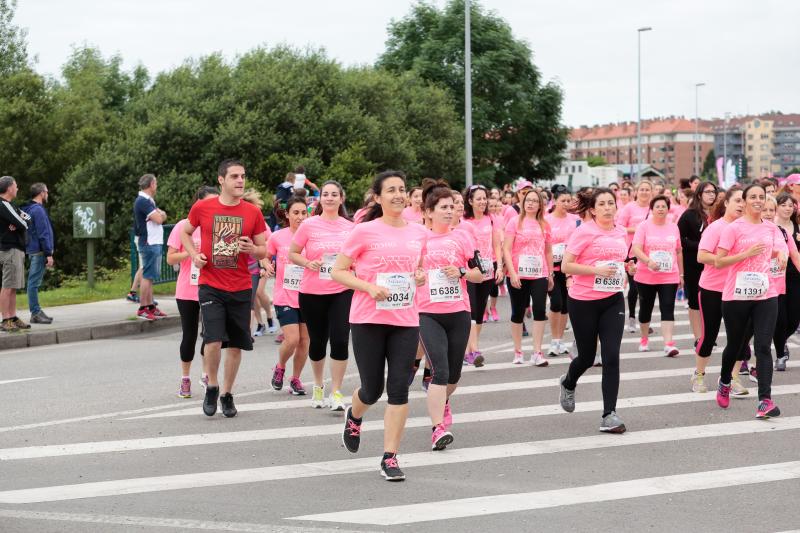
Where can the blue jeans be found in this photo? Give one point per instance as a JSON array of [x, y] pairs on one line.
[[35, 275]]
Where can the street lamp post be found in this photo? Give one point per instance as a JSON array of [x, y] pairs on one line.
[[467, 93], [725, 146], [696, 122], [639, 101]]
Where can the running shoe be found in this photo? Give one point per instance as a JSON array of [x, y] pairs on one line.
[[210, 401], [145, 314], [525, 330], [228, 409], [495, 316], [519, 358], [277, 377], [786, 351], [723, 395], [553, 351], [767, 409], [698, 382], [318, 397], [743, 370], [272, 330], [9, 326], [186, 388], [469, 357], [753, 374], [278, 338], [259, 332], [204, 381], [336, 401], [643, 345], [351, 436], [598, 362], [478, 359], [631, 324], [612, 424], [528, 313], [447, 418], [537, 358], [671, 351], [780, 364], [737, 389], [486, 317], [440, 438], [426, 380], [158, 313], [566, 397], [296, 387], [563, 349], [132, 297], [390, 469]]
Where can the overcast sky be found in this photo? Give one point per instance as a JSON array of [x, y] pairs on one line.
[[746, 51]]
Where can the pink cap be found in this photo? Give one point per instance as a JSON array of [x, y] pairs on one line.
[[523, 184], [792, 179]]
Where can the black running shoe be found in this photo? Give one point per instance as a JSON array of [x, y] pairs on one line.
[[351, 436], [390, 470], [210, 401], [228, 409]]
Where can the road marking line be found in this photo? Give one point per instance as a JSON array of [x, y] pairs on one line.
[[411, 460], [546, 499], [20, 380]]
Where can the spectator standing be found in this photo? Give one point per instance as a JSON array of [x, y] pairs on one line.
[[147, 223], [39, 249], [13, 229]]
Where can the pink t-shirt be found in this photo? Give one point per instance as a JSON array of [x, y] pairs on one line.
[[387, 256], [591, 244], [359, 215], [676, 210], [409, 215], [712, 278], [777, 277], [321, 240], [661, 243], [508, 213], [287, 283], [184, 289], [560, 229], [483, 230], [528, 248], [748, 279], [631, 216], [440, 294]]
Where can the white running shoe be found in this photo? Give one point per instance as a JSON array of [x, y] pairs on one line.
[[644, 346], [318, 397], [538, 359], [563, 349], [336, 401], [519, 358], [632, 325], [273, 329], [671, 351]]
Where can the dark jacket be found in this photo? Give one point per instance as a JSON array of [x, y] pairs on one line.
[[691, 227], [11, 216], [40, 230]]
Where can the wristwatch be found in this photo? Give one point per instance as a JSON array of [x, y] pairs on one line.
[[462, 271]]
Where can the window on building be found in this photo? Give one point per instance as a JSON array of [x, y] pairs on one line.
[[749, 135], [765, 135], [580, 168]]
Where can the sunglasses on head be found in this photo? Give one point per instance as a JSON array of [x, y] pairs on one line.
[[473, 187]]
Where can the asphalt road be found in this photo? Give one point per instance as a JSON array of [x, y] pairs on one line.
[[95, 440]]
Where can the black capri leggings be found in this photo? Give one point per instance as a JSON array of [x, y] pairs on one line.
[[711, 315], [494, 291], [666, 301], [190, 321], [591, 319], [379, 345], [633, 295], [792, 307], [534, 293], [691, 287], [478, 298], [763, 314], [327, 317], [444, 338], [558, 296]]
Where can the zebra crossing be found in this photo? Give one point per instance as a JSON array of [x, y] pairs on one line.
[[518, 461]]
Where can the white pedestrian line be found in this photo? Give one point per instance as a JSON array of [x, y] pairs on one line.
[[20, 380], [625, 340], [530, 501], [204, 439], [411, 460], [152, 521]]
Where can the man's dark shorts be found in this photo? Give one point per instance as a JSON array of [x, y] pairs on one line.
[[226, 317]]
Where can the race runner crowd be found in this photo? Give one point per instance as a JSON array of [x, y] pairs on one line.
[[413, 275]]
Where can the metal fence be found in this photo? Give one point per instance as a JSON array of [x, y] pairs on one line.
[[168, 272]]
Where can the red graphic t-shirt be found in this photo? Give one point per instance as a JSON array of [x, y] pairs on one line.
[[220, 228]]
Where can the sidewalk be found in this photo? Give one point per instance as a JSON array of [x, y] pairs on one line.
[[83, 322]]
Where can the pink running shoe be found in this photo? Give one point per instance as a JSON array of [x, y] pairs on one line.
[[495, 316], [440, 438], [447, 418], [486, 316], [767, 409], [723, 395], [186, 388], [469, 358], [478, 359], [204, 381]]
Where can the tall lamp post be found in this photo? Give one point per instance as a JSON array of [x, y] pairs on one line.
[[725, 146], [696, 134], [639, 100], [467, 93]]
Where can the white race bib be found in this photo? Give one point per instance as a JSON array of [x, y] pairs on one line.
[[530, 266], [558, 252], [615, 283], [488, 267], [401, 290], [194, 274], [663, 259], [292, 276], [327, 266], [443, 288], [750, 285]]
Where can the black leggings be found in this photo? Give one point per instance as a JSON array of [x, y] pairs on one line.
[[591, 319], [792, 306], [532, 290], [558, 296], [494, 290], [666, 301], [763, 314], [190, 321], [633, 294], [444, 338], [691, 286], [327, 316], [711, 317], [378, 345], [478, 297]]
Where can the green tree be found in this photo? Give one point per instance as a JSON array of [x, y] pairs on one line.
[[710, 165], [13, 48], [596, 161], [516, 118]]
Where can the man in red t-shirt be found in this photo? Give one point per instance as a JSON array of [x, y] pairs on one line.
[[230, 230]]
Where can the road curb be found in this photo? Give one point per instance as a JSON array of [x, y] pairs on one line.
[[12, 341]]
